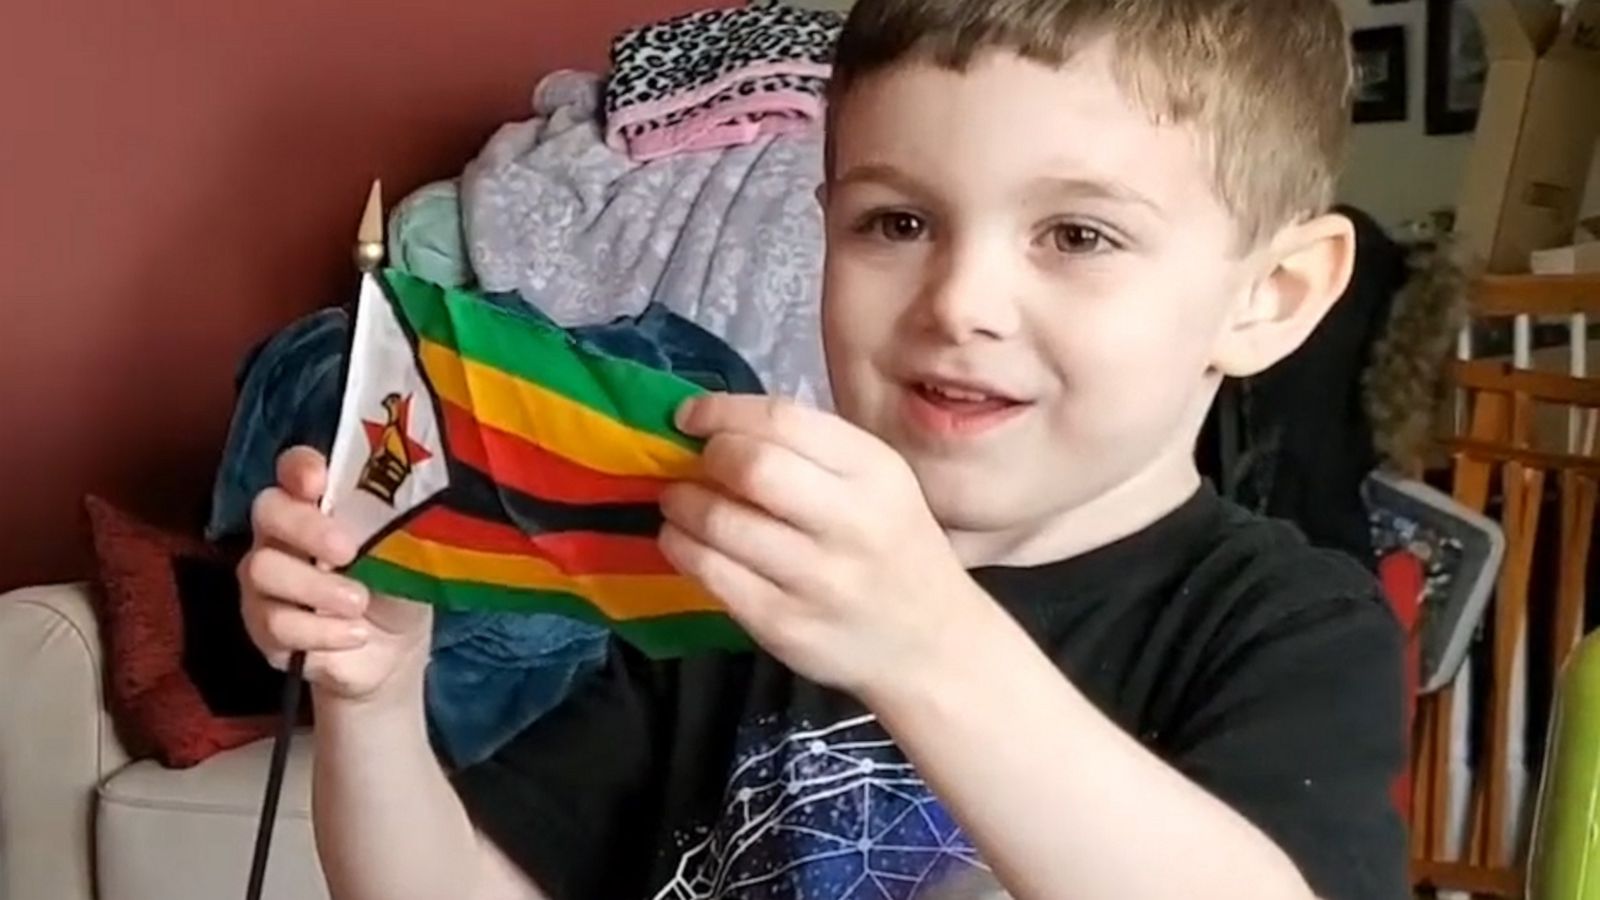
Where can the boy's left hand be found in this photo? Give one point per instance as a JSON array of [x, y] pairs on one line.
[[816, 536]]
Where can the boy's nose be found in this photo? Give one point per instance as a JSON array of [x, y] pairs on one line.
[[968, 297]]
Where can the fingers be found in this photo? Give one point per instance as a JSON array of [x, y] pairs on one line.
[[290, 605], [741, 590], [774, 478], [280, 517], [741, 533], [274, 573], [303, 473], [288, 630], [820, 437]]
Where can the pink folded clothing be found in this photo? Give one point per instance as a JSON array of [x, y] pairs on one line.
[[718, 78]]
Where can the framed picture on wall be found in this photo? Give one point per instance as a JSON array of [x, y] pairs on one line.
[[1380, 60], [1456, 68]]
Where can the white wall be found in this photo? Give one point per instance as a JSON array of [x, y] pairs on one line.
[[1395, 171]]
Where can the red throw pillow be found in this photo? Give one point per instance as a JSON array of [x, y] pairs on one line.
[[158, 708]]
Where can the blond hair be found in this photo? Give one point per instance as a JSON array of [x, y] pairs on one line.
[[1264, 84]]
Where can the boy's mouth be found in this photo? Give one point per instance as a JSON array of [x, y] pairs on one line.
[[953, 409]]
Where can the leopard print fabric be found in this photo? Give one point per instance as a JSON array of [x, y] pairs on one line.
[[718, 77]]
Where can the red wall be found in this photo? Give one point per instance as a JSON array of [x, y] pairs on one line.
[[179, 178]]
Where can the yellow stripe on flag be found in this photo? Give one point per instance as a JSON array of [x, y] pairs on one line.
[[552, 421], [619, 597]]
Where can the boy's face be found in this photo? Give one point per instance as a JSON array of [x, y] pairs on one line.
[[1026, 280]]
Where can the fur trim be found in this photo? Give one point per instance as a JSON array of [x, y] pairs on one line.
[[1404, 386]]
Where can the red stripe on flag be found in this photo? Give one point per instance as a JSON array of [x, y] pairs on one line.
[[573, 552], [531, 469]]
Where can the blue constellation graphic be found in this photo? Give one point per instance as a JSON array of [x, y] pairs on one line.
[[834, 813]]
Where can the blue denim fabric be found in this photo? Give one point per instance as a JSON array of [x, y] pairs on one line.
[[288, 392], [490, 674]]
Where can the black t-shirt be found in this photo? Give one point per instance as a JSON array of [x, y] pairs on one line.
[[1266, 671]]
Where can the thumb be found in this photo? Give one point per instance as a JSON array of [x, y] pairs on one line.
[[303, 473]]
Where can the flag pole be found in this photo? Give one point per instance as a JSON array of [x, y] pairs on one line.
[[368, 256]]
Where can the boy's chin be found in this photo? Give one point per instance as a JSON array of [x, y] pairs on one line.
[[975, 502]]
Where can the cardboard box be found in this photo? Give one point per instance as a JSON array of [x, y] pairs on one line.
[[1591, 203], [1536, 130], [1573, 260]]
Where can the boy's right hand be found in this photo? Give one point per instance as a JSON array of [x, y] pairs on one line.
[[357, 642]]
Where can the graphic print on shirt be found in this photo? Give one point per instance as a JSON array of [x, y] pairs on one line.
[[833, 813]]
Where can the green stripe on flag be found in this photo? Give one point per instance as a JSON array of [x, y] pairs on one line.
[[632, 393], [659, 637]]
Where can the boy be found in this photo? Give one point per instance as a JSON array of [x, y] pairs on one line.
[[1004, 624]]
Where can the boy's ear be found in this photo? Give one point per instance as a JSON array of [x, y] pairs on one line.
[[1307, 267]]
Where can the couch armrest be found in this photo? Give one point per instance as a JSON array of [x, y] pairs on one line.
[[56, 742]]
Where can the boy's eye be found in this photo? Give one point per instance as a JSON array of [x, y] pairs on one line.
[[900, 226], [1078, 239]]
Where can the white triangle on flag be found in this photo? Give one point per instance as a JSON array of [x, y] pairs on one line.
[[388, 453]]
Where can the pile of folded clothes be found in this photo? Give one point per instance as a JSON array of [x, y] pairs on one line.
[[664, 212]]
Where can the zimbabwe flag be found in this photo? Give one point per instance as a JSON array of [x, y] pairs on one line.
[[487, 461]]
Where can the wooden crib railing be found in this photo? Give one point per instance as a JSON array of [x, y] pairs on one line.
[[1527, 426]]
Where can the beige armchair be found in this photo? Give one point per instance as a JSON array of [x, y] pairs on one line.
[[78, 821]]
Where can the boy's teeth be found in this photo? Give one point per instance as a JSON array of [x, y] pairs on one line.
[[950, 393]]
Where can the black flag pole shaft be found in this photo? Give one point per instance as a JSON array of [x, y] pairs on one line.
[[368, 256], [292, 684]]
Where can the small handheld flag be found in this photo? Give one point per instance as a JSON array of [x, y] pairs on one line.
[[486, 460], [368, 256]]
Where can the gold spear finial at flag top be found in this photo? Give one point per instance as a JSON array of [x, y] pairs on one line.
[[369, 237]]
